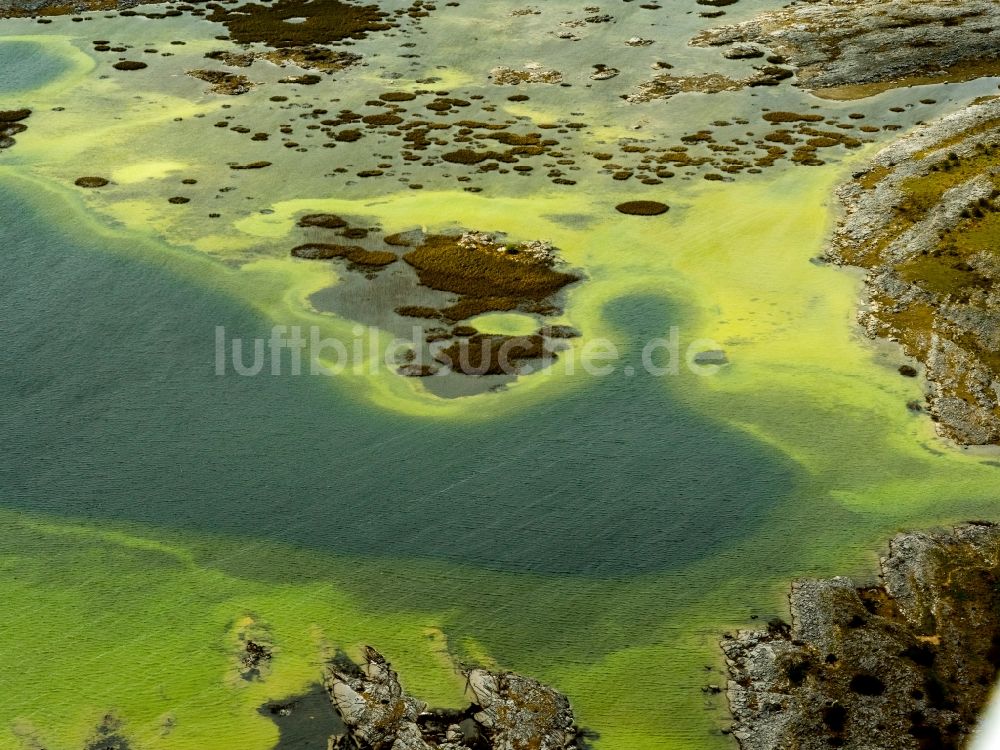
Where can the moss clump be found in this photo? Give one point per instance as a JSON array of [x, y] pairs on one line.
[[323, 221], [91, 182], [325, 23], [352, 253], [642, 208], [129, 65]]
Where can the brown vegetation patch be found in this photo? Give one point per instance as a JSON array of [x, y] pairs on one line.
[[304, 80], [352, 253], [228, 84], [419, 311], [313, 57], [324, 22], [91, 182], [776, 117], [485, 279], [642, 208], [14, 115], [397, 96], [486, 354], [323, 221], [468, 156], [251, 165]]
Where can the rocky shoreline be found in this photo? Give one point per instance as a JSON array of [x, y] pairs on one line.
[[840, 45], [904, 664], [923, 220], [510, 712]]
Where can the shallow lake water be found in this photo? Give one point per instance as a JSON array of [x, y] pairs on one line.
[[598, 532]]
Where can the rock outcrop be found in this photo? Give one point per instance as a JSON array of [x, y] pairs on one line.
[[510, 712], [841, 43], [923, 220], [906, 664]]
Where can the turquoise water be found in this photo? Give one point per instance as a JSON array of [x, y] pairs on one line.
[[114, 411], [27, 65]]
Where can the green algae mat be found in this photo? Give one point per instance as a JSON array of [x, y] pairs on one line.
[[696, 418]]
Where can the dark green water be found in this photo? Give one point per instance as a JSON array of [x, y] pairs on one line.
[[112, 410]]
